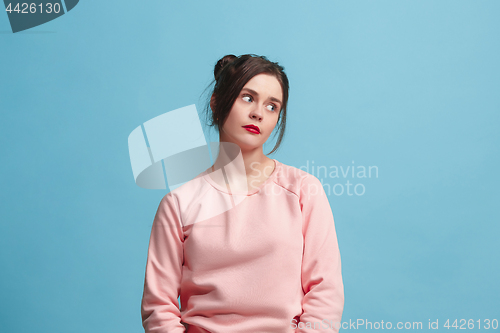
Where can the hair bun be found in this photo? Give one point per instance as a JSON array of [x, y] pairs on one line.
[[221, 63]]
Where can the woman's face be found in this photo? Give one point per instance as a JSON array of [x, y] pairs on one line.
[[259, 103]]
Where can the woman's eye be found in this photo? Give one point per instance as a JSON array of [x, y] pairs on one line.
[[273, 107], [247, 98]]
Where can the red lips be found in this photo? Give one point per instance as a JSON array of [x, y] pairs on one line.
[[252, 127]]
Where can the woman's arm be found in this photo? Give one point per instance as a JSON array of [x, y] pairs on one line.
[[322, 283], [159, 308]]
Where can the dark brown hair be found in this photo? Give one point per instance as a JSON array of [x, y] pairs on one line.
[[231, 73]]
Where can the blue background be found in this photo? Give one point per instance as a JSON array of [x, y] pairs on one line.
[[411, 87]]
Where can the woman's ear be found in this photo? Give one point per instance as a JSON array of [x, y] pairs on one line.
[[212, 102]]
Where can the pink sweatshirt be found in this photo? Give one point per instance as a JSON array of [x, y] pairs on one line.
[[262, 261]]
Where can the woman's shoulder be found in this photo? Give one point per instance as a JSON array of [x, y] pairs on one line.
[[188, 192], [294, 178]]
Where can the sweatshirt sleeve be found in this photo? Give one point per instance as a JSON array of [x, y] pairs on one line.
[[159, 307], [323, 302]]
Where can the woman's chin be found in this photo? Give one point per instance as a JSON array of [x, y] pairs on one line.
[[245, 142], [246, 145]]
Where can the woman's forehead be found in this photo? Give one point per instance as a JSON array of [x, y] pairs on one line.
[[265, 84]]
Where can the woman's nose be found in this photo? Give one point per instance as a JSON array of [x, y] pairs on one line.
[[256, 116], [257, 113]]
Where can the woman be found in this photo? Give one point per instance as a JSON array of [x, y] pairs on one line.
[[249, 245]]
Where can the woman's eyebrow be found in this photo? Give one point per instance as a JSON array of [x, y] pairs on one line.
[[256, 94]]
